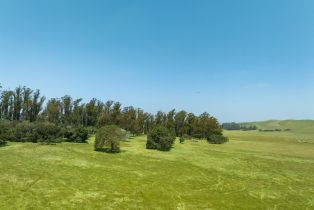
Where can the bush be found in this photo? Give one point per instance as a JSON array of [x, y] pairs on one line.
[[108, 139], [5, 132], [160, 138], [36, 132], [25, 132], [48, 133], [2, 142], [217, 139], [77, 134]]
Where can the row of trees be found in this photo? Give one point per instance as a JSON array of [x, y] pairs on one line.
[[237, 126], [25, 104], [96, 113], [40, 132], [159, 138], [21, 104]]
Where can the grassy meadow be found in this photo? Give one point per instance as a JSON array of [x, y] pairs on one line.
[[255, 170]]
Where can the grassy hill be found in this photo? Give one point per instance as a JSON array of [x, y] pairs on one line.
[[301, 126], [301, 130], [253, 171]]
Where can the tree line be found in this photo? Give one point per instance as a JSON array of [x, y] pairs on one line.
[[238, 126], [26, 105]]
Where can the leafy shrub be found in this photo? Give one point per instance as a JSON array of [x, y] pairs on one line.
[[36, 132], [5, 132], [48, 133], [108, 139], [25, 132], [77, 134], [160, 138], [217, 139], [2, 142]]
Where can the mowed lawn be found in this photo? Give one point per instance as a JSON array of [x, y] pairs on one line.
[[255, 170]]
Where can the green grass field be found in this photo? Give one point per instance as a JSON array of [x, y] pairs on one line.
[[255, 170]]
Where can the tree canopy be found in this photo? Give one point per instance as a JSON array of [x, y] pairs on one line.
[[71, 115], [160, 138], [108, 139]]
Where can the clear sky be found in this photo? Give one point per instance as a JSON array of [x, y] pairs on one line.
[[238, 60]]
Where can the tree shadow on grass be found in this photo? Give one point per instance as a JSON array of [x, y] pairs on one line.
[[110, 151]]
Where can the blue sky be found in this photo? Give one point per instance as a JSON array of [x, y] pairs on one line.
[[238, 60]]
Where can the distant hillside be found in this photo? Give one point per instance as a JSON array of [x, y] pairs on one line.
[[304, 126]]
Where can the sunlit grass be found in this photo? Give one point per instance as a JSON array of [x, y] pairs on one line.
[[253, 171]]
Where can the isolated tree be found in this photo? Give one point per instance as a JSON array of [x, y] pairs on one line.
[[108, 139], [160, 138]]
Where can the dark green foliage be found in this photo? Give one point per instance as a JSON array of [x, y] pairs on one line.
[[5, 131], [180, 123], [108, 139], [237, 126], [25, 132], [24, 104], [76, 134], [217, 139], [160, 138], [204, 126], [48, 133], [43, 132], [231, 126], [2, 142], [182, 140], [248, 127], [184, 137]]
